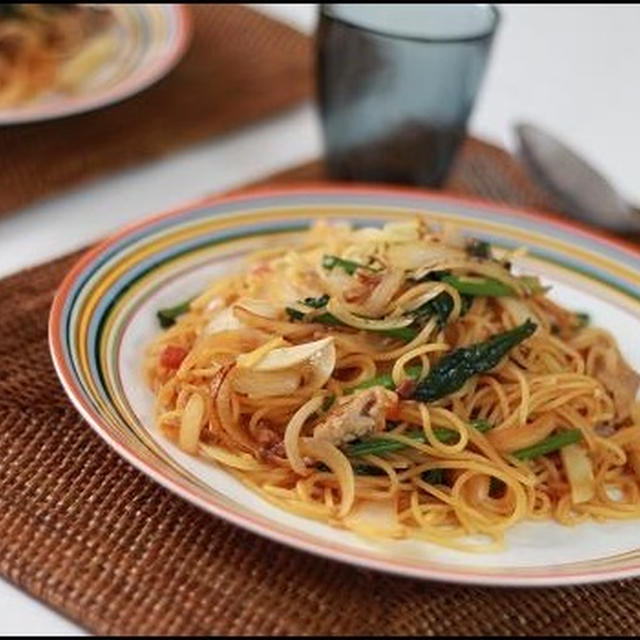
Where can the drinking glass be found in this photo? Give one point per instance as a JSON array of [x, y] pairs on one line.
[[396, 86]]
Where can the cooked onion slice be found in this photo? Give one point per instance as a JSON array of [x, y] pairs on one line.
[[334, 307], [320, 366], [286, 357], [391, 233], [243, 461], [579, 472], [191, 424], [376, 518], [423, 256], [264, 384], [251, 359], [380, 298], [509, 439], [257, 306], [293, 430], [329, 454], [223, 320], [283, 370], [519, 311]]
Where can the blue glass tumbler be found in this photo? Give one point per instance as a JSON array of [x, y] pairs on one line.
[[396, 85]]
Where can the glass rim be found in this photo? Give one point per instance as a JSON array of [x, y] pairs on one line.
[[495, 12]]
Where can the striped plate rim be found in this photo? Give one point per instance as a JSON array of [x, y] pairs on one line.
[[172, 41], [624, 565]]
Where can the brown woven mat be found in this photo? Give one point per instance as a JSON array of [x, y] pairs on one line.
[[240, 66], [87, 533]]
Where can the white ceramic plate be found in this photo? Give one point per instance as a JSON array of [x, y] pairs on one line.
[[151, 41], [104, 315]]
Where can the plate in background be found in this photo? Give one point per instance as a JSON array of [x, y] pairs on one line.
[[104, 316], [152, 38]]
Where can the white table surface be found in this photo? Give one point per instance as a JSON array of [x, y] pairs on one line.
[[572, 69]]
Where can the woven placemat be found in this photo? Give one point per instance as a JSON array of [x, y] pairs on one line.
[[240, 66], [88, 534]]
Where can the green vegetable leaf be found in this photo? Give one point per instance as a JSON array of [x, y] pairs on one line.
[[363, 469], [550, 444], [329, 319], [466, 302], [479, 286], [440, 307], [330, 262], [479, 249], [455, 368], [328, 402], [376, 446], [430, 276], [582, 319], [167, 317], [401, 333], [434, 476], [533, 284], [294, 314], [316, 303], [384, 380]]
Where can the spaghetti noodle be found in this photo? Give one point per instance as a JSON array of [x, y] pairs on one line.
[[52, 47], [401, 382]]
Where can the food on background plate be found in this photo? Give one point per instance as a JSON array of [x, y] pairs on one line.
[[51, 48], [401, 381]]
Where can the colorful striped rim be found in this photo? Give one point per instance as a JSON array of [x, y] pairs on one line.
[[153, 39], [101, 296]]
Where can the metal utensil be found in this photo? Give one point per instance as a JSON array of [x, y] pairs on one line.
[[581, 191]]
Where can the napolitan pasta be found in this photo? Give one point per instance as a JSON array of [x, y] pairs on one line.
[[401, 382], [53, 47]]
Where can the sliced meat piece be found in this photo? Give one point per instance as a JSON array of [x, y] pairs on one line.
[[360, 415], [621, 381]]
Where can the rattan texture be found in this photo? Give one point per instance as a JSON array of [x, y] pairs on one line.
[[240, 66], [94, 538]]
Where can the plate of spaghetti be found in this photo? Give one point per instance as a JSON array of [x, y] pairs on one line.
[[61, 59], [432, 386]]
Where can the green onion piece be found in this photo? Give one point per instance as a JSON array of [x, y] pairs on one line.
[[479, 287], [328, 402], [167, 317], [363, 469], [430, 276], [322, 318], [550, 444], [478, 249], [316, 303], [481, 425], [466, 301], [385, 380], [294, 314], [533, 284], [376, 446], [402, 333], [328, 318], [433, 476], [582, 319], [329, 262]]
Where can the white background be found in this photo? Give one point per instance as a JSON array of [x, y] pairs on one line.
[[574, 69]]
